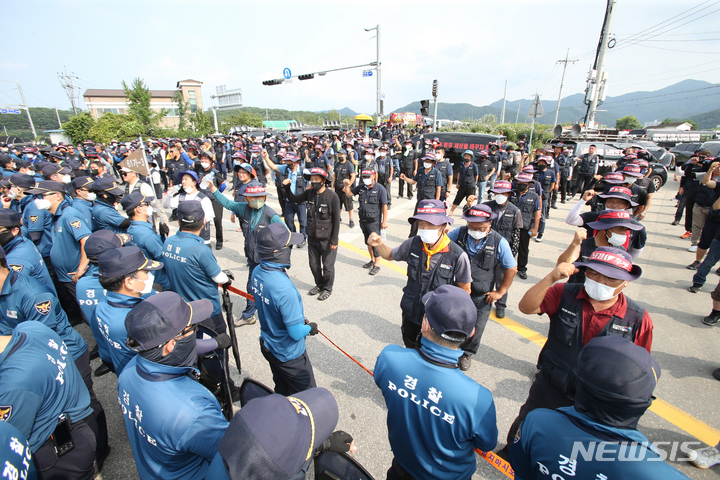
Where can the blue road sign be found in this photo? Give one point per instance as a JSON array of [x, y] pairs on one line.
[[10, 110], [367, 73], [287, 74]]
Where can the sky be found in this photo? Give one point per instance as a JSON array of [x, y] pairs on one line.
[[470, 47]]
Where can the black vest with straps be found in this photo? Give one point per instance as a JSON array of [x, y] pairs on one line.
[[504, 224], [319, 216], [443, 273], [484, 263], [559, 356], [370, 208], [443, 168], [526, 205], [384, 164], [251, 235], [467, 175], [342, 172], [545, 183], [427, 185]]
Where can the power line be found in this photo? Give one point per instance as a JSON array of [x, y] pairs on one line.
[[661, 24], [67, 83], [661, 79], [664, 95]]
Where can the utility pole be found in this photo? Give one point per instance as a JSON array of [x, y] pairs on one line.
[[58, 117], [67, 83], [24, 105], [597, 77], [564, 62], [435, 95], [502, 115], [518, 114], [377, 69]]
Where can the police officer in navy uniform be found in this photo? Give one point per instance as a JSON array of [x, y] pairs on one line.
[[433, 260], [323, 228], [84, 200], [253, 214], [429, 185], [615, 383], [493, 269], [344, 170], [426, 395], [529, 204], [105, 213], [89, 291], [173, 422], [22, 256], [42, 394], [140, 210], [15, 453], [20, 183], [283, 326], [578, 313]]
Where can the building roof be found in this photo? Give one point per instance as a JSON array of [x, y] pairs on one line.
[[670, 125], [102, 92], [278, 124], [198, 82]]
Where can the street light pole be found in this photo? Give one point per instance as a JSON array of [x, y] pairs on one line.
[[377, 68], [27, 109]]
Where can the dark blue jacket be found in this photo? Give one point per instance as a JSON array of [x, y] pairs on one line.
[[89, 293], [23, 257], [544, 447]]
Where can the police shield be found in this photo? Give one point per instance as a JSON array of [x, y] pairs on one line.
[[251, 389], [332, 466]]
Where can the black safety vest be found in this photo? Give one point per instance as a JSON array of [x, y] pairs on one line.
[[545, 183], [427, 184], [370, 208], [562, 162], [205, 232], [383, 169], [505, 224], [251, 235], [467, 175], [588, 163], [407, 162], [559, 356], [443, 273], [342, 172], [484, 263], [299, 180], [706, 196], [443, 168], [319, 214], [527, 208], [484, 169]]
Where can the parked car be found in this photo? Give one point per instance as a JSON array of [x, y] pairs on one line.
[[610, 152], [683, 151]]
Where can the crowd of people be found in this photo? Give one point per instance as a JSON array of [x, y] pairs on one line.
[[86, 239]]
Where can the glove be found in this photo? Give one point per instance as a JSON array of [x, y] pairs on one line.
[[313, 328], [164, 229], [223, 340], [338, 442], [230, 276]]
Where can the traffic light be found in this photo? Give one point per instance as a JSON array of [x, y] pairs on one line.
[[435, 85], [276, 81], [306, 77], [425, 108]]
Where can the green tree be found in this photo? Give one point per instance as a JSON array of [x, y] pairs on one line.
[[115, 127], [627, 123], [202, 122], [238, 119], [667, 121], [138, 98], [182, 110], [79, 126]]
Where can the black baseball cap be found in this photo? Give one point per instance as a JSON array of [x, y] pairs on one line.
[[22, 180], [135, 198], [9, 218], [103, 240], [161, 317], [449, 309], [273, 436], [276, 236], [124, 260], [53, 168], [190, 211], [82, 182], [108, 185], [47, 186]]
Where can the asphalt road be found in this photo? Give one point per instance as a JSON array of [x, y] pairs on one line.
[[363, 316]]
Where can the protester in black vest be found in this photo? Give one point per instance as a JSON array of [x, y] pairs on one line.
[[492, 265], [433, 260], [344, 170], [429, 185], [547, 179], [689, 184], [467, 178], [385, 172], [446, 170], [290, 174], [587, 168], [408, 167], [530, 210], [578, 313], [373, 216], [563, 165], [323, 227]]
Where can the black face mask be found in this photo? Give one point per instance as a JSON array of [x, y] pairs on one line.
[[183, 355], [522, 187], [317, 185], [281, 257], [542, 167], [94, 173], [5, 238]]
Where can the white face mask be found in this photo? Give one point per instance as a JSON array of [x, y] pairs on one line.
[[427, 164], [66, 179], [256, 203], [205, 165], [150, 211], [90, 197], [368, 157], [148, 284], [630, 180], [429, 236], [30, 156], [615, 239], [367, 181], [598, 291], [500, 199], [476, 234], [42, 204]]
